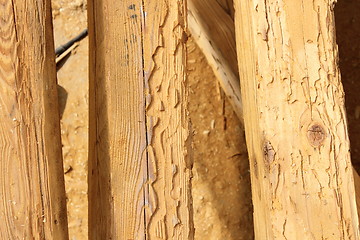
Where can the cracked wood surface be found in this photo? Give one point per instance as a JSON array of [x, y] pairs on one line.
[[199, 26], [295, 121], [139, 167], [33, 203]]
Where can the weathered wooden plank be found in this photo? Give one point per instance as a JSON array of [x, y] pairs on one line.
[[295, 122], [139, 167], [117, 137], [169, 164], [32, 191]]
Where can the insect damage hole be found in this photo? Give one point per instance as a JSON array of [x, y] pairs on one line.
[[316, 135]]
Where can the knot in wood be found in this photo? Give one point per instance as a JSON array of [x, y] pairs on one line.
[[316, 135]]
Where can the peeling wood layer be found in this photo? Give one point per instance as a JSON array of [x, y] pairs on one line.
[[139, 159], [32, 194], [295, 120]]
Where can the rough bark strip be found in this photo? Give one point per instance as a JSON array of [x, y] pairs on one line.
[[139, 168], [295, 122], [32, 194]]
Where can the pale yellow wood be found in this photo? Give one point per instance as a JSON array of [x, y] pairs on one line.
[[295, 122], [33, 202], [139, 166]]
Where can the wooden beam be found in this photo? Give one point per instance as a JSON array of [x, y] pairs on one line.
[[33, 202], [295, 122], [197, 29], [139, 166], [213, 30]]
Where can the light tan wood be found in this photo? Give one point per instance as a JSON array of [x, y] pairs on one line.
[[295, 122], [139, 166], [33, 203], [213, 30]]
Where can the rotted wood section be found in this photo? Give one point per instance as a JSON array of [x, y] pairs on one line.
[[139, 166], [295, 121], [32, 191]]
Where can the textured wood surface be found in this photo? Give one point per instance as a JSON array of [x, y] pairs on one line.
[[32, 186], [295, 120], [139, 166], [197, 25]]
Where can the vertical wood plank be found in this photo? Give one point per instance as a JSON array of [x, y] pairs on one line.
[[33, 203], [295, 122], [117, 160], [139, 167], [167, 120]]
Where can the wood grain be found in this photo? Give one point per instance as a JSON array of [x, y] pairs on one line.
[[33, 204], [139, 166], [295, 121]]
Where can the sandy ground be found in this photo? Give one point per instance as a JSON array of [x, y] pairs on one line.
[[221, 183]]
